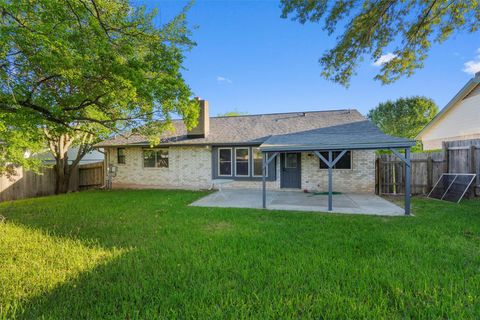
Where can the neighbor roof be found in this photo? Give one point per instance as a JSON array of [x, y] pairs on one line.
[[471, 84], [355, 135], [249, 129]]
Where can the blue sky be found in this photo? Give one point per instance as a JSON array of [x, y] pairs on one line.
[[250, 60]]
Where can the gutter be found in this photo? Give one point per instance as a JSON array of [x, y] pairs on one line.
[[360, 146]]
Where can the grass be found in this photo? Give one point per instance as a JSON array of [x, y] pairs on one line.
[[146, 254]]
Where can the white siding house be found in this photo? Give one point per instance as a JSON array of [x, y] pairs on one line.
[[458, 120]]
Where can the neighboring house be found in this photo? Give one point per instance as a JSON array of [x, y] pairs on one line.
[[91, 157], [229, 148], [458, 120]]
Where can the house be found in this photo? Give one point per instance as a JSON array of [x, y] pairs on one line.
[[458, 120], [93, 156], [232, 148]]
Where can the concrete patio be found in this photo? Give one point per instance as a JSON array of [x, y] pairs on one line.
[[368, 204]]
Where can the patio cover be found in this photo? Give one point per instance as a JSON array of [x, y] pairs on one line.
[[359, 135], [350, 136]]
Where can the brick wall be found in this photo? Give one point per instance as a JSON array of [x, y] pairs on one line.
[[359, 179], [190, 168]]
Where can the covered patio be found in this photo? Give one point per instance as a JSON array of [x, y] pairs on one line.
[[300, 201], [361, 135]]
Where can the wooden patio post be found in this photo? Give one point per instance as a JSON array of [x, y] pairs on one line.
[[407, 181], [264, 180], [330, 181]]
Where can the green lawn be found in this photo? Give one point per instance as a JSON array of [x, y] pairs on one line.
[[146, 254]]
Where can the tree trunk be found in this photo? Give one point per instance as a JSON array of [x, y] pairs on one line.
[[62, 184], [59, 146], [62, 170]]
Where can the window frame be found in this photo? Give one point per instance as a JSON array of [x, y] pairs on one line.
[[155, 150], [219, 162], [296, 160], [261, 163], [123, 155], [248, 162], [351, 160]]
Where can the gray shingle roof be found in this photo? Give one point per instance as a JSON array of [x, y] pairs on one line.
[[250, 129], [355, 135]]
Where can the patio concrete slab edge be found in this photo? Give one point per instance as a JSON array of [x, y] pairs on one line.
[[350, 203]]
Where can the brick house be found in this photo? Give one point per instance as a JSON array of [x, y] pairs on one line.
[[231, 148]]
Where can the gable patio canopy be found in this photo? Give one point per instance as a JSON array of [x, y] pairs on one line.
[[360, 135]]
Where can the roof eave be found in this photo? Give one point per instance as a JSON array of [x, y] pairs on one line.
[[199, 144], [359, 146]]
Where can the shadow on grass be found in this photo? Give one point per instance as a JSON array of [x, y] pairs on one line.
[[115, 289], [120, 218], [33, 262]]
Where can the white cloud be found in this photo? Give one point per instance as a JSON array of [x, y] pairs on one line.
[[472, 66], [384, 58], [223, 79]]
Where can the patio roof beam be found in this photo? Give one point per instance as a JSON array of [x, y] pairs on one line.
[[333, 162], [330, 164], [266, 161], [269, 159], [399, 155]]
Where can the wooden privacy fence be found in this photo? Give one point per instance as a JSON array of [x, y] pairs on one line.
[[27, 184], [427, 167], [463, 156]]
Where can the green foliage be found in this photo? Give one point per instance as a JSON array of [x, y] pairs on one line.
[[95, 66], [371, 27], [146, 254], [233, 113], [404, 117], [18, 143]]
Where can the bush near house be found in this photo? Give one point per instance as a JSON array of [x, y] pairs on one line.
[[147, 254]]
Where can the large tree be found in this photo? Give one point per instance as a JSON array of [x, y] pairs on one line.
[[404, 117], [75, 71], [373, 27], [18, 141]]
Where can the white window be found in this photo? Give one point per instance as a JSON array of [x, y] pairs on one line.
[[155, 158], [225, 162], [257, 162], [242, 162]]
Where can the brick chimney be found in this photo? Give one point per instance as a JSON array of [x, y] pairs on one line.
[[202, 129]]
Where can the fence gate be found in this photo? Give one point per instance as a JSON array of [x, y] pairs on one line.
[[90, 175]]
